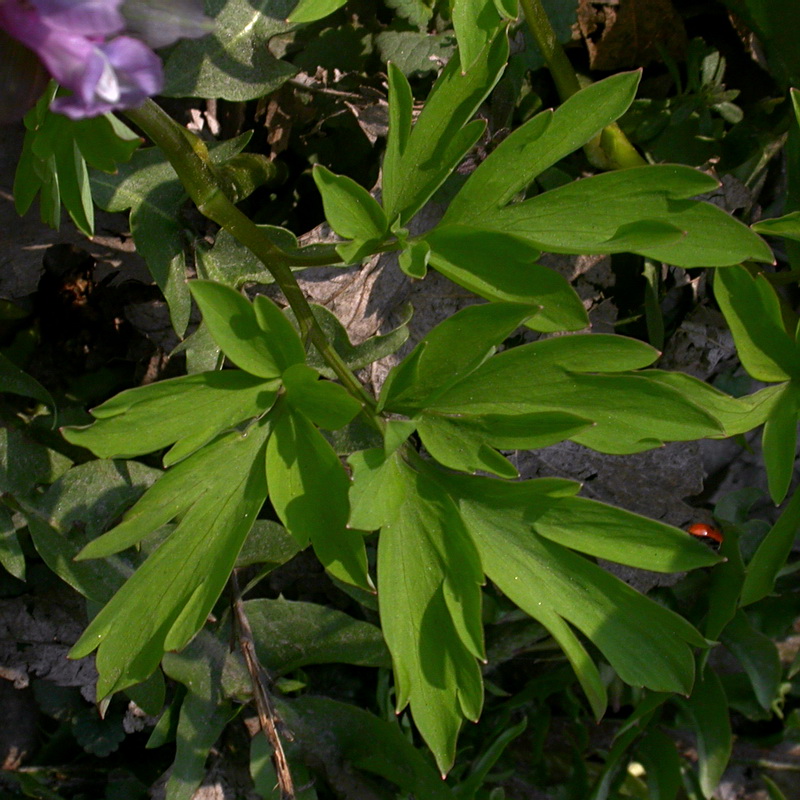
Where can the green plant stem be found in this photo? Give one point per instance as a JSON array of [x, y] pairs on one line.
[[610, 149], [189, 158], [553, 53]]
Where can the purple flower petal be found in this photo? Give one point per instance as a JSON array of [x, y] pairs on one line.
[[86, 17], [162, 22], [120, 74]]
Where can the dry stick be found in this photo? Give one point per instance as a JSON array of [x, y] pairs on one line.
[[267, 716]]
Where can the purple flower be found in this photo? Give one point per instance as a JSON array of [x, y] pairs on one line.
[[82, 44]]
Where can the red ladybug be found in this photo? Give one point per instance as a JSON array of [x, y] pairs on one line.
[[704, 531]]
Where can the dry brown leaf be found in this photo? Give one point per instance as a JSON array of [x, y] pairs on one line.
[[623, 34]]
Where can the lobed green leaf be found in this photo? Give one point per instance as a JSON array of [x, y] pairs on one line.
[[256, 336], [450, 352], [350, 209], [308, 489], [538, 144], [752, 311], [620, 211], [501, 267], [188, 412], [156, 611], [417, 163]]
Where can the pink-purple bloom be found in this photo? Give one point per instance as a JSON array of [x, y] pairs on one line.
[[85, 46]]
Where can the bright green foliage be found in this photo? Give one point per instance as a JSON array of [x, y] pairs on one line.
[[187, 412], [476, 23], [769, 353], [256, 336], [418, 160], [149, 616], [54, 162], [312, 10], [264, 440], [500, 267], [326, 404], [349, 208], [308, 489], [643, 210], [441, 532], [538, 144], [787, 226], [429, 577]]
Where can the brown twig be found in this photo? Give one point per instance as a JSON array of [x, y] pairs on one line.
[[267, 715]]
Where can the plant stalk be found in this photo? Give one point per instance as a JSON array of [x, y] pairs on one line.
[[189, 158], [553, 53], [610, 149]]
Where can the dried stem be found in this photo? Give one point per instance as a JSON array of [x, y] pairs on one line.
[[267, 716]]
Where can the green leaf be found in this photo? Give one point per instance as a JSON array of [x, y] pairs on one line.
[[203, 715], [600, 215], [501, 267], [168, 599], [11, 556], [617, 535], [538, 144], [415, 53], [417, 164], [54, 157], [413, 260], [354, 356], [752, 311], [631, 413], [476, 23], [190, 411], [232, 263], [779, 443], [177, 491], [79, 505], [308, 489], [465, 442], [326, 404], [481, 766], [235, 62], [105, 142], [735, 414], [775, 22], [787, 226], [148, 185], [255, 336], [357, 739], [658, 754], [312, 10], [758, 655], [15, 381], [268, 544], [450, 352], [350, 209], [708, 707], [377, 491], [24, 462], [768, 560], [556, 586], [329, 636], [429, 579]]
